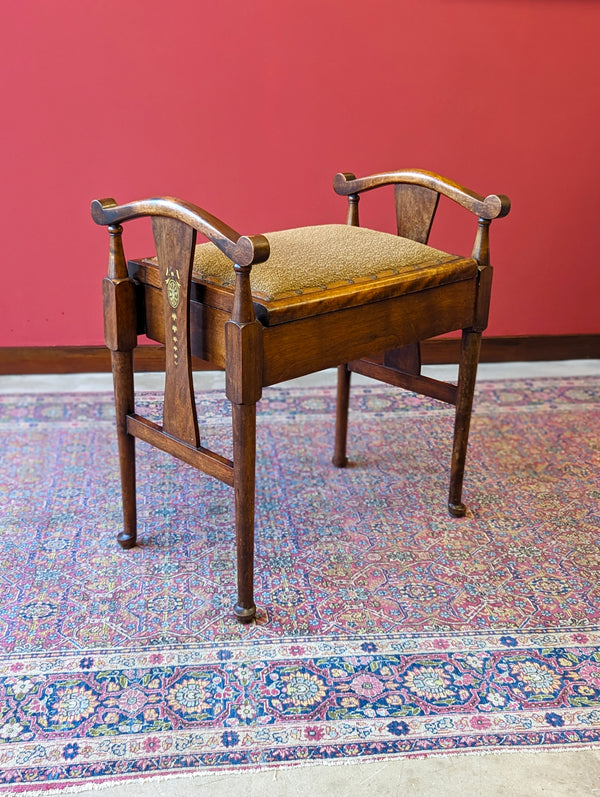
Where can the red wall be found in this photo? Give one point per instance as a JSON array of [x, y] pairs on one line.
[[248, 108]]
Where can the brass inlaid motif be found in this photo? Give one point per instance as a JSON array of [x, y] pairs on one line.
[[173, 286], [173, 293]]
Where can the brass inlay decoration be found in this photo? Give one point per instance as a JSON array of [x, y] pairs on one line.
[[173, 286], [173, 292]]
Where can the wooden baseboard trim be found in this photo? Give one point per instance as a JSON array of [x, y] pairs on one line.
[[93, 359], [525, 348], [73, 359]]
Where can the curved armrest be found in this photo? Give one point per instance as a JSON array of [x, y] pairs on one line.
[[491, 207], [243, 250]]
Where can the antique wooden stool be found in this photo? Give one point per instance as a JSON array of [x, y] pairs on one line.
[[267, 308]]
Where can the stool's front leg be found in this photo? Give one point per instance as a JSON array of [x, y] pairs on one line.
[[120, 332], [469, 360], [244, 359], [244, 459], [122, 368]]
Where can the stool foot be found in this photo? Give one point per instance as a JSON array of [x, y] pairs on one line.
[[244, 616], [457, 510], [126, 540]]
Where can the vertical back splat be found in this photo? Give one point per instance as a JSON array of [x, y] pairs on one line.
[[415, 211], [175, 242]]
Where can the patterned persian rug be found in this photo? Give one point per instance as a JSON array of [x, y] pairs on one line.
[[385, 627]]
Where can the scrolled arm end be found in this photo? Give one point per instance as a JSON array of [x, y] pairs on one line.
[[250, 249], [98, 208], [496, 206], [340, 183]]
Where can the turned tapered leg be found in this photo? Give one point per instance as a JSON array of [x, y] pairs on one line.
[[467, 374], [339, 459], [244, 357], [244, 464], [122, 365]]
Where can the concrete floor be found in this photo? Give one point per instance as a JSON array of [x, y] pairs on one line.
[[560, 774], [570, 773]]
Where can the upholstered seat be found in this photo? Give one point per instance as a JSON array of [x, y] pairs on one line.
[[307, 259], [272, 307], [309, 268]]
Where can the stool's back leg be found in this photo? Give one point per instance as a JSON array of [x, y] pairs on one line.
[[339, 459], [467, 374]]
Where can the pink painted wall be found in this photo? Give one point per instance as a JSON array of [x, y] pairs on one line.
[[248, 108]]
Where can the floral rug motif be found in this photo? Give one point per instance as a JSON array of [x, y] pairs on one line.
[[385, 627]]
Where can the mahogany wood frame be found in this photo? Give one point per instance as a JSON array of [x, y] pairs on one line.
[[371, 330]]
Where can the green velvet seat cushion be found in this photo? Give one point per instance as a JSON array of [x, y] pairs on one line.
[[310, 259]]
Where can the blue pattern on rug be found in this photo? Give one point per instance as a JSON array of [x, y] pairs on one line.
[[384, 628]]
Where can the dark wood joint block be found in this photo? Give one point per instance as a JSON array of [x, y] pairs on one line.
[[140, 307], [406, 359], [484, 288], [244, 361], [120, 317]]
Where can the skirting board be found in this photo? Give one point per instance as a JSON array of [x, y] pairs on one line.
[[93, 359]]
